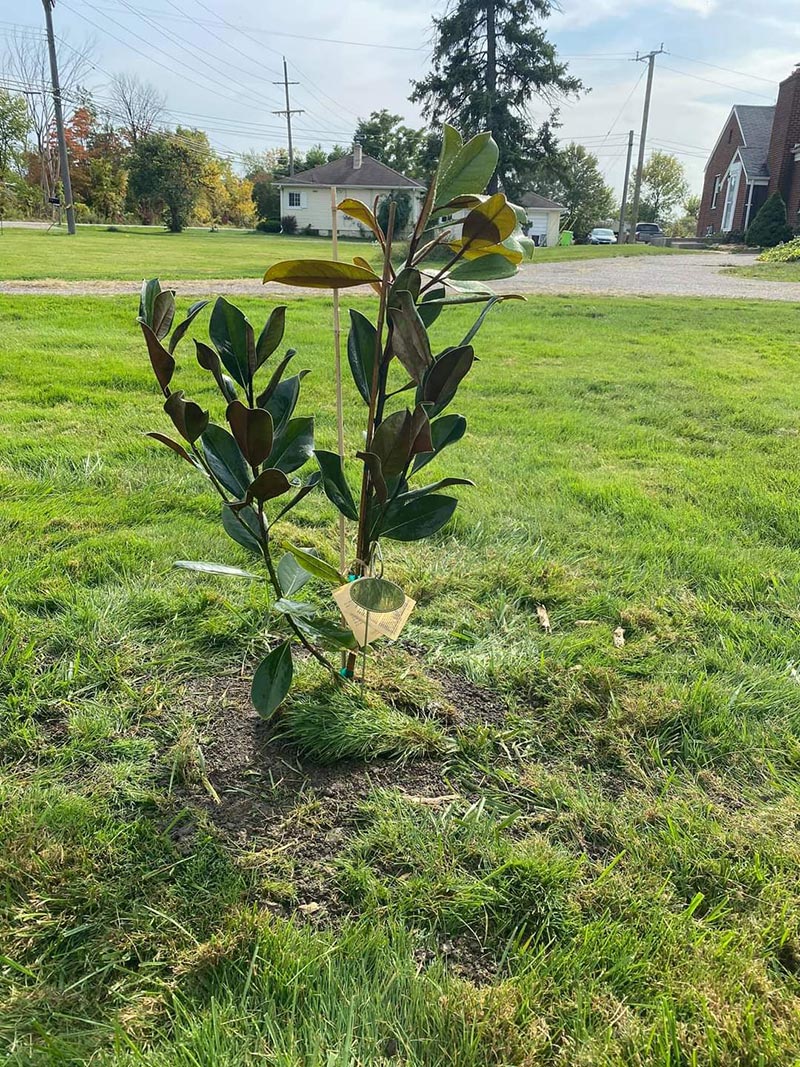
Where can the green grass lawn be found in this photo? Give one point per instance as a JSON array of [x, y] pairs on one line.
[[131, 253], [769, 272], [630, 880]]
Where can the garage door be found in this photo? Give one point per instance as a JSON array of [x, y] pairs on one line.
[[538, 226]]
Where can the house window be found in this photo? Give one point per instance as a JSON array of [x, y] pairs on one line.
[[295, 200], [730, 135], [715, 193]]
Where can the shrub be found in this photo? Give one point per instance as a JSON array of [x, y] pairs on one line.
[[288, 224], [253, 465], [785, 253], [769, 227], [268, 226]]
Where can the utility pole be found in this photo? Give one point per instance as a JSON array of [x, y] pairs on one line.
[[62, 143], [491, 80], [288, 112], [621, 239], [637, 189]]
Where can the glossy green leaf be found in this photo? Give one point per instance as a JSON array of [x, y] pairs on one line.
[[486, 268], [188, 418], [208, 359], [410, 342], [416, 519], [444, 431], [307, 487], [314, 565], [334, 483], [294, 445], [373, 465], [320, 274], [297, 609], [160, 359], [470, 169], [272, 334], [182, 327], [177, 448], [327, 633], [163, 313], [408, 280], [391, 443], [252, 430], [433, 487], [361, 342], [150, 289], [282, 401], [263, 399], [377, 595], [269, 484], [272, 680], [216, 568], [225, 459], [242, 526], [291, 576], [233, 337], [443, 379], [428, 310], [492, 302], [452, 143]]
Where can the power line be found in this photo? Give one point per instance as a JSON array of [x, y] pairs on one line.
[[727, 70], [722, 85]]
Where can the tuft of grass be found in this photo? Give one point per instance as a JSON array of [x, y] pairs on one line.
[[334, 723]]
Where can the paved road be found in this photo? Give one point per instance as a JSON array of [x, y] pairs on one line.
[[696, 274]]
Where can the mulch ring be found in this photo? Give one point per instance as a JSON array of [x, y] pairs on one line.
[[293, 814]]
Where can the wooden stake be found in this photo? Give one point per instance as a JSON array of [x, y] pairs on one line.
[[337, 358]]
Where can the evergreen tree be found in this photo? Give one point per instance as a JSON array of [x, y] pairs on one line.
[[489, 58], [769, 227]]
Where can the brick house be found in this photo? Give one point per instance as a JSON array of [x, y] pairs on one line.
[[757, 154]]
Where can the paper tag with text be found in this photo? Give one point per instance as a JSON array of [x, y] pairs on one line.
[[380, 624]]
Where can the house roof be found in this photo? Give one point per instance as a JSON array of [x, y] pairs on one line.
[[755, 122], [371, 173], [541, 202]]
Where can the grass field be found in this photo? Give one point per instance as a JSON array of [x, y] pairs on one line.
[[770, 272], [629, 888], [129, 254]]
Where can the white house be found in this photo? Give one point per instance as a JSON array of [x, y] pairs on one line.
[[307, 195], [544, 218]]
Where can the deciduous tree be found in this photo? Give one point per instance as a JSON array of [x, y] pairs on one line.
[[385, 137], [138, 106], [578, 185], [664, 186], [164, 178]]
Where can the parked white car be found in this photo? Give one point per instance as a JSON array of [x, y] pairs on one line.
[[601, 236]]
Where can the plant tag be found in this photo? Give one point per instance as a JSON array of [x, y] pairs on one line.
[[379, 624]]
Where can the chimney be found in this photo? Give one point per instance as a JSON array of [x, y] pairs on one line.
[[357, 156]]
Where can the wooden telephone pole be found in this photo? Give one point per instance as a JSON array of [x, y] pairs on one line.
[[288, 112], [637, 188], [62, 142], [621, 238]]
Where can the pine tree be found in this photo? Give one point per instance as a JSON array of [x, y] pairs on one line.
[[769, 227], [490, 57]]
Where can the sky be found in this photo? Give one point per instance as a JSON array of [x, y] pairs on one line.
[[216, 62]]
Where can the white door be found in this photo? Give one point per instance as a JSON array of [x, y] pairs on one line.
[[730, 196]]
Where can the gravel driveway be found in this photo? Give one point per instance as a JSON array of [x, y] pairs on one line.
[[695, 274]]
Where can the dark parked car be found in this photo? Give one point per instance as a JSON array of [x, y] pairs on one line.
[[646, 231]]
